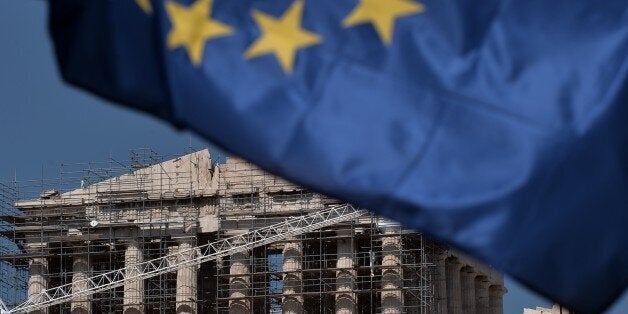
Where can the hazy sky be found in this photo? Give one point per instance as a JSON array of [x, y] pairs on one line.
[[44, 122]]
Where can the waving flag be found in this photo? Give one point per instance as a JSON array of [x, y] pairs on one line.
[[500, 127]]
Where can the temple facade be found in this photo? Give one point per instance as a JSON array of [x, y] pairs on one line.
[[368, 265]]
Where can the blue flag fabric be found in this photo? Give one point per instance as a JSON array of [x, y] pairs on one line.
[[499, 127]]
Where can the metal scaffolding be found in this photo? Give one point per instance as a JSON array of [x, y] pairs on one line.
[[175, 261], [318, 267], [161, 234]]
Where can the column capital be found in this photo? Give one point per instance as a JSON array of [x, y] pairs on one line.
[[483, 280], [441, 255], [80, 260], [497, 290], [454, 263], [469, 270], [292, 249], [40, 264]]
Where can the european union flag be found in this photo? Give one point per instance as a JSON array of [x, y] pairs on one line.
[[500, 127]]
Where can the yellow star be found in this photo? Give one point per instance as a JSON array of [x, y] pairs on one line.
[[193, 26], [145, 5], [282, 36], [383, 14]]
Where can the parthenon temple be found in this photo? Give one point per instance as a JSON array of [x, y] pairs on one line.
[[108, 216]]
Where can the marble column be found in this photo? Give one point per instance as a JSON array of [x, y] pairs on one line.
[[345, 275], [391, 296], [481, 295], [133, 301], [186, 278], [467, 276], [239, 283], [495, 299], [440, 286], [37, 280], [292, 301], [454, 291], [80, 304]]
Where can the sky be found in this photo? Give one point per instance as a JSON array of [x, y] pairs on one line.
[[44, 122]]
